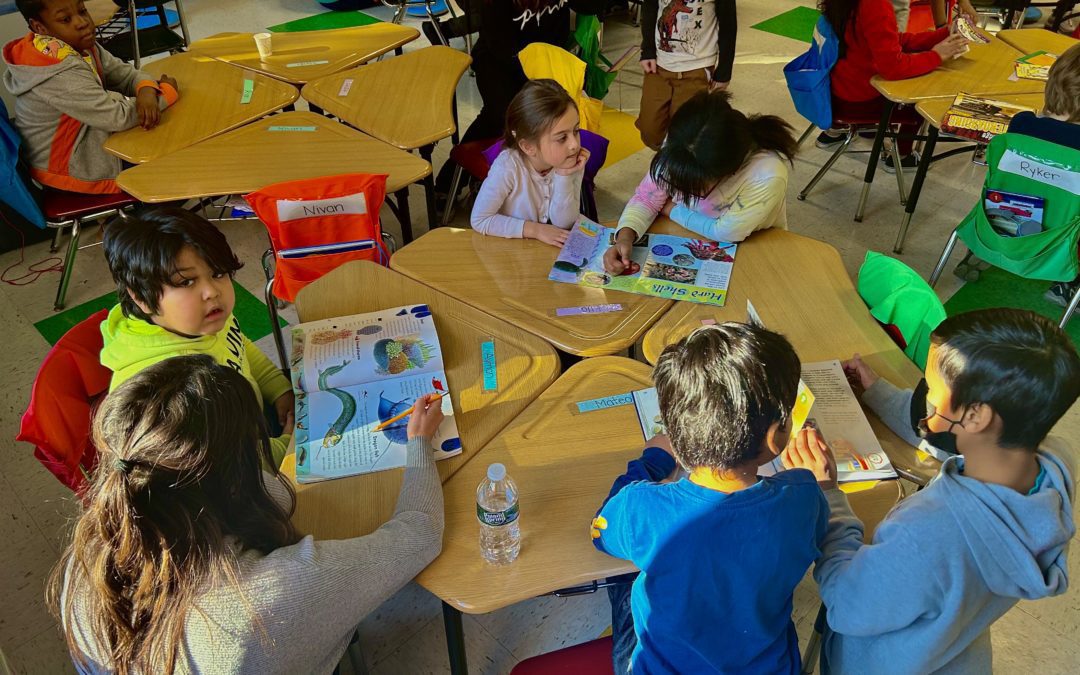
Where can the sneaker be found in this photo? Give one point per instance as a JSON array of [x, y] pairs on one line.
[[1061, 293], [827, 141], [909, 162]]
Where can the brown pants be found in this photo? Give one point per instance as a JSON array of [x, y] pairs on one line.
[[662, 93]]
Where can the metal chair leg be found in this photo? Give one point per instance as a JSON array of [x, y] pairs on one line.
[[69, 263], [940, 267], [875, 153], [894, 152], [183, 23], [55, 246], [1071, 308], [448, 212], [806, 134], [133, 16], [813, 645], [828, 165], [275, 325]]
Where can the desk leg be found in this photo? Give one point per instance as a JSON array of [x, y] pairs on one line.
[[455, 137], [455, 640], [315, 109], [875, 152], [916, 188], [399, 51], [403, 215], [429, 189]]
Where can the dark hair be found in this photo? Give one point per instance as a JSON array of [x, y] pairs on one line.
[[182, 450], [1017, 362], [538, 105], [30, 9], [142, 252], [838, 13], [721, 388], [708, 141]]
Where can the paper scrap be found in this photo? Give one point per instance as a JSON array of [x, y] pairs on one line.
[[299, 64], [487, 358], [291, 128], [249, 88], [588, 309], [708, 322], [345, 87], [605, 402]]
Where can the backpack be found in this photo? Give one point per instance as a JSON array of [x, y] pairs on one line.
[[807, 76]]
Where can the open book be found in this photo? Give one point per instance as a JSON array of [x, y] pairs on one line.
[[352, 373]]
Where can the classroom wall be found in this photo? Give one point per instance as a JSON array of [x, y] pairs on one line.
[[12, 26]]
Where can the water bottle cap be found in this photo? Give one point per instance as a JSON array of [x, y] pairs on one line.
[[496, 472]]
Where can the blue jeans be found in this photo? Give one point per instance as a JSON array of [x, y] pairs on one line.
[[623, 637]]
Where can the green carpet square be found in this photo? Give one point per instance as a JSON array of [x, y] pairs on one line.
[[249, 311], [797, 24], [998, 288], [325, 21]]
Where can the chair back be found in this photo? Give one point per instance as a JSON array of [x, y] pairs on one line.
[[808, 76], [596, 144], [57, 422], [1032, 167], [316, 224], [540, 60], [898, 297]]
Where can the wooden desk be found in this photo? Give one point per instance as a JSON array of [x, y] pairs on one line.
[[526, 365], [209, 104], [933, 109], [800, 288], [253, 156], [1029, 40], [563, 463], [304, 56], [507, 278]]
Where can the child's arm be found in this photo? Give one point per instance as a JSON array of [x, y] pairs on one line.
[[889, 58], [643, 207], [891, 404], [751, 206], [120, 76], [77, 93], [728, 23], [648, 29], [494, 191], [613, 525], [272, 382], [923, 40], [566, 197]]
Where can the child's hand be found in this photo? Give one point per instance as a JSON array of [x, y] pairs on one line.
[[718, 86], [668, 206], [660, 441], [858, 373], [951, 47], [146, 105], [287, 424], [579, 165], [549, 234], [171, 81], [426, 417], [284, 405], [617, 257], [809, 451], [968, 9], [648, 65]]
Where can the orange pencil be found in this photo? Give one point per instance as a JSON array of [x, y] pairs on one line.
[[398, 418]]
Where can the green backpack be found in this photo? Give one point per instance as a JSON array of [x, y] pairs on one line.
[[898, 296]]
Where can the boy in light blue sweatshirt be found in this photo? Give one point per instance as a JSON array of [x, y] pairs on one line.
[[992, 528]]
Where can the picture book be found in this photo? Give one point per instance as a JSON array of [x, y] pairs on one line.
[[1035, 66], [977, 118], [664, 266], [648, 412], [350, 374], [962, 25], [1012, 214]]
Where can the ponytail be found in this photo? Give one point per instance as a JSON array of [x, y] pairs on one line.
[[773, 133]]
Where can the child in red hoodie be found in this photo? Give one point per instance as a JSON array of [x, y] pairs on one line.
[[870, 45]]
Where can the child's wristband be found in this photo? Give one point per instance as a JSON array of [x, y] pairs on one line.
[[168, 92]]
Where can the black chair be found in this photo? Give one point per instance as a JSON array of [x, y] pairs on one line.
[[124, 40]]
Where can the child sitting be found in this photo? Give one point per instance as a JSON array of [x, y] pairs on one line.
[[533, 189], [71, 94], [720, 552], [173, 272], [1059, 123], [992, 528], [870, 45], [184, 560], [720, 174]]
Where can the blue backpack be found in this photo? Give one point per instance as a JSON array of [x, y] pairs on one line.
[[808, 76], [12, 188]]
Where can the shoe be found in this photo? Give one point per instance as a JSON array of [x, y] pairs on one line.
[[827, 141], [1061, 293], [909, 162]]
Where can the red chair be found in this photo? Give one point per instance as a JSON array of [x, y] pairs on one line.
[[589, 658], [468, 156], [68, 384]]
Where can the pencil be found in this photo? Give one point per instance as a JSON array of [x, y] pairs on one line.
[[398, 418]]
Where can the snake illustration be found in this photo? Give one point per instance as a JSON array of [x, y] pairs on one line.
[[348, 407]]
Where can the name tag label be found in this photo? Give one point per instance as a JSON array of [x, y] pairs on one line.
[[587, 309], [290, 128], [1015, 163], [487, 358], [345, 87], [300, 64], [289, 209], [249, 88], [605, 402]]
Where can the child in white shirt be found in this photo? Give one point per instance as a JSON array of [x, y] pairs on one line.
[[533, 189]]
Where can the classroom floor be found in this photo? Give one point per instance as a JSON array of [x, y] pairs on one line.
[[405, 635]]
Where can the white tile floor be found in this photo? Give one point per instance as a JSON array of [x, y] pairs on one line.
[[406, 635]]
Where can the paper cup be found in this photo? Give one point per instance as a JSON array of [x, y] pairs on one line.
[[262, 43]]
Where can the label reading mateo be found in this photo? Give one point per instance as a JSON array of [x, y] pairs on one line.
[[497, 518]]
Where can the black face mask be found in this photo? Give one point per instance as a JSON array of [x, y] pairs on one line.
[[922, 411]]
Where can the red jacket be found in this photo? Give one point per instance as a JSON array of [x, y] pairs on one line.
[[874, 47]]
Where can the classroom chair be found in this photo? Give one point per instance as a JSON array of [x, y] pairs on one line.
[[467, 157], [431, 9], [901, 302], [1037, 168], [68, 384], [589, 658], [305, 219], [125, 40]]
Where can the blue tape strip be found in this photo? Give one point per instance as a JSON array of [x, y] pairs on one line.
[[605, 402], [487, 357]]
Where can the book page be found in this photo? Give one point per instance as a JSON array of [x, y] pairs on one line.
[[648, 412], [339, 423]]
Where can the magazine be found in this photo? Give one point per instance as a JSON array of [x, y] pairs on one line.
[[977, 118], [1035, 66], [664, 266], [1014, 214], [350, 374]]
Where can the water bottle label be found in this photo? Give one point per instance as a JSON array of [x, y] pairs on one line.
[[497, 518]]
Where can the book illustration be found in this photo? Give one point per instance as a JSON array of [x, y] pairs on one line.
[[1012, 214], [396, 355], [648, 411], [979, 119], [1035, 66], [348, 407], [962, 25], [708, 250]]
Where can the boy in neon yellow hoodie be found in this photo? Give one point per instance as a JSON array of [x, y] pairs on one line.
[[173, 271]]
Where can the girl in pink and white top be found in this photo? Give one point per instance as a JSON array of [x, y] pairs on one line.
[[720, 174], [533, 189]]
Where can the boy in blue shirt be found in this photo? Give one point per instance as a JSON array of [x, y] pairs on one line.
[[992, 528], [720, 552]]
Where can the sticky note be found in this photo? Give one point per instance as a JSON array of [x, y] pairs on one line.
[[345, 87], [249, 87], [299, 64], [487, 359], [605, 402], [587, 309], [291, 128]]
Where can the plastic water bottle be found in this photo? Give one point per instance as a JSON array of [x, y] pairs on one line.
[[497, 511]]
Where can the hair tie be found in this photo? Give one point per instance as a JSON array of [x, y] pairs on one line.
[[123, 465]]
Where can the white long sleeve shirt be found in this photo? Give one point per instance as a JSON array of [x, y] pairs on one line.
[[514, 192]]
